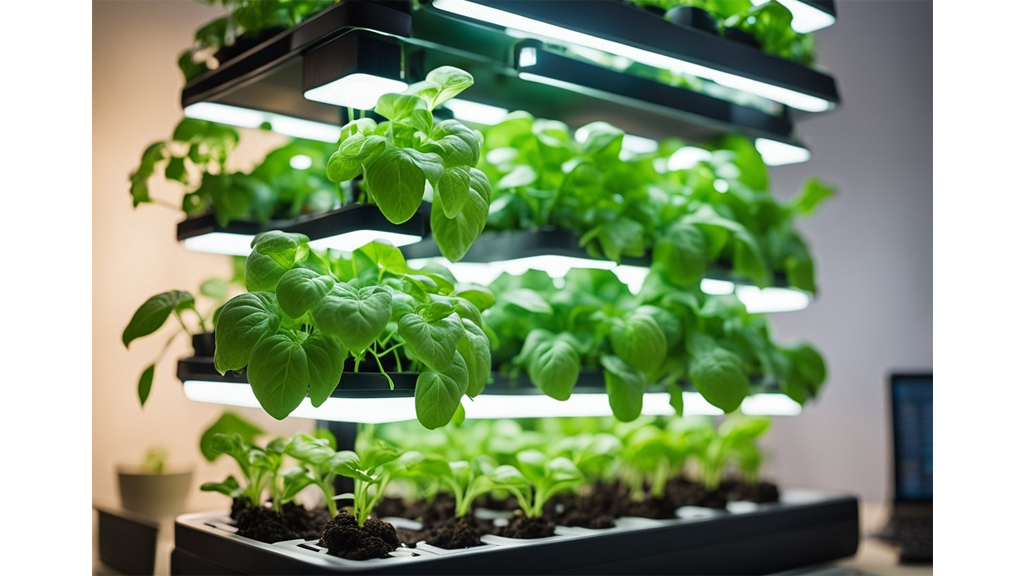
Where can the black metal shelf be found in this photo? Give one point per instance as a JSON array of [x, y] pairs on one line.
[[392, 41], [802, 530], [320, 227]]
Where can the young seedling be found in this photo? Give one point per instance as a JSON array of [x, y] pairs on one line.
[[465, 480], [535, 479], [735, 441], [322, 464], [593, 454], [372, 469], [258, 469], [653, 455]]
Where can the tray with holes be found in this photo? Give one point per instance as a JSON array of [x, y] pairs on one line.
[[804, 528]]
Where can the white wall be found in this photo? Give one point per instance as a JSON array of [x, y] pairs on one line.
[[873, 243]]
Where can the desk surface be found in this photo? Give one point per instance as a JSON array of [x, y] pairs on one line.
[[873, 556]]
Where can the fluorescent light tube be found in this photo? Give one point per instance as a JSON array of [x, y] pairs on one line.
[[476, 112], [768, 300], [248, 118], [300, 162], [352, 241], [359, 91], [220, 243], [775, 153], [806, 18], [521, 26], [484, 406]]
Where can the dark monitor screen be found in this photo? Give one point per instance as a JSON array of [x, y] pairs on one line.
[[912, 436]]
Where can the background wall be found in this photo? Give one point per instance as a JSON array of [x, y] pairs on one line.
[[873, 242]]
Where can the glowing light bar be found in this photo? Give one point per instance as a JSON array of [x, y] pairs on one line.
[[248, 118], [757, 300], [221, 243], [687, 157], [360, 91], [352, 241], [777, 153], [300, 162], [484, 406], [476, 112], [527, 27], [806, 18]]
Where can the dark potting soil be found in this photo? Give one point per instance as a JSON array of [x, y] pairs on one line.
[[650, 507], [237, 505], [682, 492], [507, 504], [410, 537], [455, 533], [345, 538], [391, 507], [578, 510], [760, 493], [264, 524], [520, 526], [308, 524]]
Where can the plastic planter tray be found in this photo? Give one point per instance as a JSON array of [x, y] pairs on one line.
[[806, 528]]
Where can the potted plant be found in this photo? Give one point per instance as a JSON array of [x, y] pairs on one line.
[[153, 487]]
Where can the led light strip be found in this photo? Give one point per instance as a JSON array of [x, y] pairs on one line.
[[359, 91], [484, 406], [806, 17], [249, 118], [757, 300], [527, 27], [240, 244]]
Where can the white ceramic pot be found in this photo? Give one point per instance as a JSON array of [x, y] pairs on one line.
[[156, 496]]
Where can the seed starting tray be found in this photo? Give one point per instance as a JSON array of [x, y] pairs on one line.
[[805, 528]]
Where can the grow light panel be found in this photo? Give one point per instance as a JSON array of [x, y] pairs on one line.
[[521, 26], [475, 112], [775, 153], [249, 118], [806, 17], [352, 241], [757, 300], [484, 406], [220, 243], [360, 91]]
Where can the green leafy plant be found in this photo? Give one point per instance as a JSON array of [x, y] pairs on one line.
[[322, 463], [155, 311], [258, 467], [372, 470], [735, 441], [661, 337], [305, 313], [593, 454], [155, 461], [652, 454], [409, 157], [535, 479], [770, 23], [716, 212], [195, 159], [244, 18], [465, 480]]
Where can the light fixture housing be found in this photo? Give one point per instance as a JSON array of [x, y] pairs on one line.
[[347, 229], [624, 30], [367, 398], [556, 251]]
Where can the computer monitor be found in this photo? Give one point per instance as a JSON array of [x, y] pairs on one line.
[[911, 398]]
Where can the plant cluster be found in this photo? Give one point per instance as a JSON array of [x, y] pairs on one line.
[[409, 157], [305, 313], [195, 159], [770, 23], [659, 338], [718, 210], [250, 18]]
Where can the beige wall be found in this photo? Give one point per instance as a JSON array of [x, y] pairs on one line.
[[136, 91]]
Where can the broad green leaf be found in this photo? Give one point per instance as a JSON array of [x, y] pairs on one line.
[[438, 393], [433, 343], [326, 359], [554, 366], [353, 152], [480, 296], [455, 235], [527, 299], [242, 323], [619, 237], [295, 480], [217, 288], [301, 289], [154, 312], [604, 141], [675, 398], [398, 107], [625, 386], [306, 448], [533, 464], [456, 143], [520, 176], [286, 248], [356, 317], [814, 193], [397, 183], [755, 263], [385, 257], [475, 349], [262, 272], [753, 171], [279, 375], [228, 423], [146, 383], [640, 342], [683, 254], [450, 82], [346, 463], [228, 487], [719, 376], [452, 190]]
